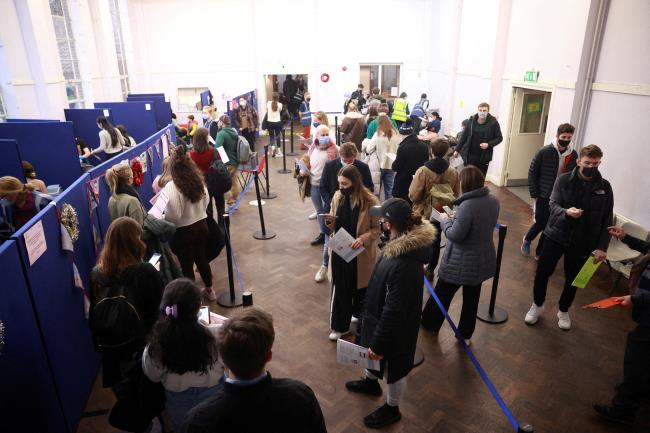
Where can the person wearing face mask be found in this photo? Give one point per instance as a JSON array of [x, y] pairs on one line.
[[548, 163], [246, 120], [305, 117], [391, 317], [581, 210], [322, 150], [479, 138], [350, 211]]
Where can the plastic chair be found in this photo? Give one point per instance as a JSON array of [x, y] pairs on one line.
[[620, 256]]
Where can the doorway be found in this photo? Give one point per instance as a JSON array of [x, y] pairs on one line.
[[291, 91], [528, 122]]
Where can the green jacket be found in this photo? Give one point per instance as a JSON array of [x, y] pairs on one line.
[[372, 128], [227, 138]]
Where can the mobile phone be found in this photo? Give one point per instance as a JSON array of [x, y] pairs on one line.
[[204, 314], [448, 210], [155, 259]]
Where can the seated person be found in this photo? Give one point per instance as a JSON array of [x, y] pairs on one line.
[[18, 204], [192, 125], [82, 148], [30, 176], [250, 400]]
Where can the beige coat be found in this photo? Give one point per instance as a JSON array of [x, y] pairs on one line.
[[422, 182], [120, 205], [368, 230]]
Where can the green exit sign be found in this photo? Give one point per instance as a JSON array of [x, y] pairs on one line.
[[531, 76]]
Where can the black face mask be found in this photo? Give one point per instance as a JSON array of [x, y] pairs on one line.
[[589, 171], [346, 191], [563, 143], [385, 235], [308, 99]]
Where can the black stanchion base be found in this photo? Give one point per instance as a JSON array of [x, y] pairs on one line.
[[225, 300], [264, 236], [268, 195], [291, 153], [284, 171], [525, 428], [500, 315], [418, 358]]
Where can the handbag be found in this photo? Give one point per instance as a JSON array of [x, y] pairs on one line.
[[265, 122], [216, 237]]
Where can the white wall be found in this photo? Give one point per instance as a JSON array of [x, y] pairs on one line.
[[620, 106]]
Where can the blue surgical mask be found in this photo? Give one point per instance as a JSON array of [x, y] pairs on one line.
[[323, 140], [315, 124]]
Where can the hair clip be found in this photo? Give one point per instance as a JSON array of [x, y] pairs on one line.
[[172, 311]]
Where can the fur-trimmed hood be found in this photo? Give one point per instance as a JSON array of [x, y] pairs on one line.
[[419, 239]]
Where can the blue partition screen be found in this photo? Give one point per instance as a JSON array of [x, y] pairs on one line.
[[59, 307], [28, 400], [138, 117], [161, 108], [49, 146], [10, 161], [31, 120], [84, 123]]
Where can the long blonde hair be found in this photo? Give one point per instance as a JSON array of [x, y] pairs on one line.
[[385, 127], [11, 185], [119, 173], [322, 118], [166, 175]]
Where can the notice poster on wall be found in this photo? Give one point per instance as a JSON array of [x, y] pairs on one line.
[[165, 146], [35, 242]]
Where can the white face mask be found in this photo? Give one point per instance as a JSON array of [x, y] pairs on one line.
[[242, 103], [482, 115]]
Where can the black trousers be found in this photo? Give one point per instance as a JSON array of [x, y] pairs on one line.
[[435, 256], [189, 245], [542, 213], [636, 371], [432, 317], [482, 167], [249, 135], [346, 302], [574, 258]]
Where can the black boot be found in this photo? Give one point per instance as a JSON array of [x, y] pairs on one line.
[[364, 386], [318, 240], [383, 416], [615, 414]]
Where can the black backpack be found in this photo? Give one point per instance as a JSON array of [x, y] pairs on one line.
[[114, 321], [217, 179]]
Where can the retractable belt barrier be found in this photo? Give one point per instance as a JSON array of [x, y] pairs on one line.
[[520, 428]]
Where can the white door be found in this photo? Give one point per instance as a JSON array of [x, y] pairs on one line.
[[527, 132]]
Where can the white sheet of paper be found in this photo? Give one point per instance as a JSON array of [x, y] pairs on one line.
[[435, 215], [35, 242], [223, 154], [147, 107], [351, 354], [204, 314], [340, 244], [393, 91], [165, 145], [158, 208], [392, 156], [217, 319], [211, 140], [107, 112]]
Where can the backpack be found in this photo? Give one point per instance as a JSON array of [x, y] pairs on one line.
[[217, 178], [440, 194], [114, 321], [243, 150]]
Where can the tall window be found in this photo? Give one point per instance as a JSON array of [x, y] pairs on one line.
[[67, 52], [119, 47], [3, 110]]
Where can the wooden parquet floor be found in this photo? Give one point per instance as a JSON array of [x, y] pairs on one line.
[[548, 377]]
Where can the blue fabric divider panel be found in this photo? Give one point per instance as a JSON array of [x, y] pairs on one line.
[[49, 146], [84, 123], [28, 397], [154, 168], [84, 248], [10, 161], [161, 108], [59, 307], [145, 94], [138, 120], [205, 98], [31, 120]]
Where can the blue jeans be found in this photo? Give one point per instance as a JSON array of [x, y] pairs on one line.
[[387, 177], [180, 403]]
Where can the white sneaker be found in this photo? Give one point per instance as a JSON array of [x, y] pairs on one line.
[[533, 314], [354, 320], [209, 294], [336, 335], [563, 320], [278, 154], [321, 274], [313, 216]]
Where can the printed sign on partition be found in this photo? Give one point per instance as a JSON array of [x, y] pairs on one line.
[[143, 161], [165, 146], [35, 242]]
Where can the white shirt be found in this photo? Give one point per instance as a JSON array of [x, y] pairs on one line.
[[180, 210], [273, 116], [317, 161], [180, 382]]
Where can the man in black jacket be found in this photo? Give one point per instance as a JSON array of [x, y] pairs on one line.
[[582, 206], [636, 371], [548, 163], [391, 319], [249, 399], [412, 153], [329, 182], [479, 138]]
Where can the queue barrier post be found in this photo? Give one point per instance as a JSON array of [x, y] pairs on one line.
[[261, 234], [231, 298], [247, 298], [492, 313], [336, 128], [292, 153], [284, 170], [267, 194]]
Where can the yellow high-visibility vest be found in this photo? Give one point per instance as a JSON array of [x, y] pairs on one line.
[[399, 110]]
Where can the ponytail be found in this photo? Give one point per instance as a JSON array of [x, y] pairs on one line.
[[106, 126], [116, 175]]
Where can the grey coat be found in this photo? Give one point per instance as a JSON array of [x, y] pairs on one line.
[[469, 257]]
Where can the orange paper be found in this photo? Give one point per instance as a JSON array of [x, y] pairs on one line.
[[604, 303]]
